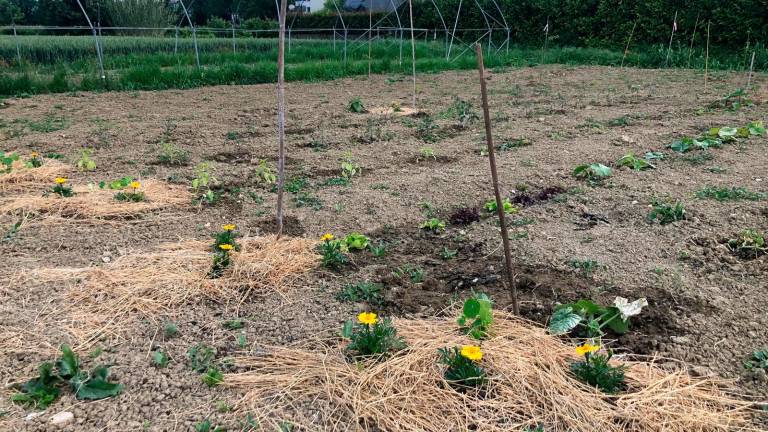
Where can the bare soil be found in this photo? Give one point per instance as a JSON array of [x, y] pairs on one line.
[[707, 305]]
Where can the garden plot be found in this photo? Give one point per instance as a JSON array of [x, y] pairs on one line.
[[618, 186]]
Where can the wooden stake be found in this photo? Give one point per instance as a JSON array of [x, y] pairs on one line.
[[669, 50], [749, 77], [281, 117], [706, 59], [495, 180], [370, 34], [626, 50], [693, 35], [413, 52]]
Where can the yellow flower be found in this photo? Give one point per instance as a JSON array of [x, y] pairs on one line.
[[587, 348], [472, 352], [225, 247], [35, 155], [229, 227], [60, 180], [367, 318], [135, 185], [326, 237]]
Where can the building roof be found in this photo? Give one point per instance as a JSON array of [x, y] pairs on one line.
[[375, 5]]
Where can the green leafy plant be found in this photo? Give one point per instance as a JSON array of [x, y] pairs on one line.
[[265, 174], [35, 160], [171, 154], [448, 254], [356, 106], [349, 168], [635, 163], [368, 292], [476, 316], [86, 163], [160, 358], [586, 266], [371, 337], [462, 111], [594, 173], [462, 370], [593, 317], [134, 195], [433, 224], [597, 371], [201, 184], [332, 251], [758, 360], [207, 426], [426, 130], [491, 206], [729, 194], [212, 377], [61, 188], [378, 250], [43, 390], [170, 330], [748, 244], [356, 241], [201, 357], [8, 160], [227, 236], [427, 153], [234, 324], [665, 212], [415, 274]]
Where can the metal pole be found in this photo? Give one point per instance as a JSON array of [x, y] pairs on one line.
[[281, 117], [455, 24], [626, 50], [495, 180], [749, 77], [370, 35], [234, 39], [706, 59], [96, 39], [669, 50], [194, 33], [176, 45], [18, 48], [413, 52]]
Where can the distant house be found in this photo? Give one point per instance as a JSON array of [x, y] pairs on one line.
[[375, 5]]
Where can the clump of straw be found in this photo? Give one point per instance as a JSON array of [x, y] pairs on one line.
[[529, 384], [98, 203], [102, 300], [23, 179]]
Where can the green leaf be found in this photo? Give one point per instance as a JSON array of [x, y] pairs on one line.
[[564, 320], [682, 145], [587, 307], [600, 170], [68, 364], [160, 358], [346, 330], [726, 132], [756, 128], [617, 324], [95, 386], [471, 308]]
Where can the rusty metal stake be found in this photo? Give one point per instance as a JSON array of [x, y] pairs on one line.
[[495, 179]]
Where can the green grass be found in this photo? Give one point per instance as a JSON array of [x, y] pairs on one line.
[[56, 64]]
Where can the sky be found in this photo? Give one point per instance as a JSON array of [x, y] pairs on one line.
[[315, 5]]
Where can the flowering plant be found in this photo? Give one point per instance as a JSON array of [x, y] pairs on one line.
[[371, 336]]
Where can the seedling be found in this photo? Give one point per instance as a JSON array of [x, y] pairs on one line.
[[356, 106], [427, 153], [86, 163], [160, 359], [331, 249], [594, 173], [371, 337], [730, 194], [491, 206], [666, 213], [433, 224], [170, 330], [587, 267], [234, 324], [171, 154], [201, 184], [637, 164], [415, 274], [758, 360], [349, 168], [361, 292], [356, 241], [212, 377], [224, 243], [35, 160], [135, 195], [201, 357], [748, 244], [448, 254], [8, 160], [462, 370], [596, 370], [462, 111], [62, 188], [379, 250], [265, 174], [593, 317], [476, 316], [42, 391]]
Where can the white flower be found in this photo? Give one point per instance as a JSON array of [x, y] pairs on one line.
[[628, 309]]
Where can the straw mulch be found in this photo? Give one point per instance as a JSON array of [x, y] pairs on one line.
[[98, 203], [22, 179], [103, 300], [530, 384]]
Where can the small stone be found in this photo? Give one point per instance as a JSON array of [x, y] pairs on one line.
[[33, 415], [106, 258], [62, 418]]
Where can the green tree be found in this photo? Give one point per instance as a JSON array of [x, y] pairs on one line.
[[10, 13]]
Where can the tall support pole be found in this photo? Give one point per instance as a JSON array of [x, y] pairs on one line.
[[96, 39], [442, 21], [334, 38], [629, 40], [495, 180], [400, 30], [18, 47], [370, 34], [749, 77], [413, 52], [671, 36], [234, 38], [506, 25], [706, 59], [693, 36], [281, 117], [546, 40], [344, 26], [194, 33], [176, 44], [453, 34]]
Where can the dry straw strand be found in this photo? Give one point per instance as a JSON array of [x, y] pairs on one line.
[[22, 179], [530, 383]]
